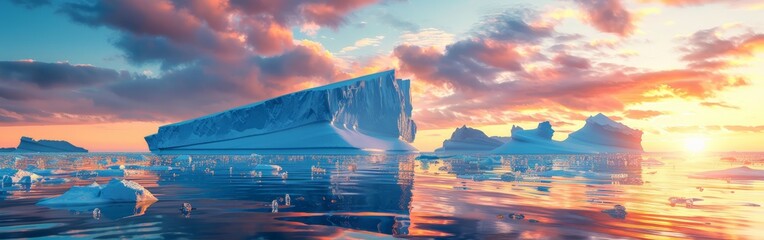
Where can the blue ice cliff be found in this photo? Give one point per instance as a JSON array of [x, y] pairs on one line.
[[368, 113]]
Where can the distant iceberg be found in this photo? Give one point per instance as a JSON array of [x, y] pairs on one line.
[[368, 113], [600, 134], [466, 139], [27, 144], [115, 191]]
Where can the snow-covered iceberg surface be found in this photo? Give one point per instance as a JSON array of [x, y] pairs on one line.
[[114, 192], [466, 139], [28, 144], [600, 134], [368, 113]]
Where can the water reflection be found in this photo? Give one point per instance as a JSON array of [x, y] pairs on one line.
[[463, 196]]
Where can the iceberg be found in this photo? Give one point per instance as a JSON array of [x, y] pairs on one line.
[[738, 173], [11, 176], [466, 139], [368, 113], [600, 134], [116, 191], [28, 144]]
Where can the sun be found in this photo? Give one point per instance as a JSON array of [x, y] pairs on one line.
[[695, 144]]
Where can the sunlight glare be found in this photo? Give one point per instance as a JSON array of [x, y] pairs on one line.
[[695, 144]]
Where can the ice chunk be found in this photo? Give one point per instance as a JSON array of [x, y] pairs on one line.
[[275, 206], [115, 191], [617, 211], [268, 168], [97, 213], [288, 200], [368, 113], [19, 176]]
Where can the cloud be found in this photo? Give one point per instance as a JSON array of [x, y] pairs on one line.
[[706, 49], [363, 42], [642, 114], [213, 55], [718, 104], [608, 16], [54, 75], [432, 37], [484, 79], [738, 128]]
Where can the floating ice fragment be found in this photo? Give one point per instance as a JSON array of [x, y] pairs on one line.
[[288, 200], [96, 213], [617, 211], [275, 206]]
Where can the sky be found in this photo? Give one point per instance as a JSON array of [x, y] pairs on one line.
[[104, 74]]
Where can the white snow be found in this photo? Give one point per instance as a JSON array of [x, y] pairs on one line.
[[115, 191], [369, 113], [600, 134]]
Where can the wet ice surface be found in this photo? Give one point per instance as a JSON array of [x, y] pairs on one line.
[[378, 196]]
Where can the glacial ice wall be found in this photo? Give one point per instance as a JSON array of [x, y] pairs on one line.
[[376, 105]]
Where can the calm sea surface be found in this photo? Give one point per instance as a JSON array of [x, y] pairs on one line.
[[391, 196]]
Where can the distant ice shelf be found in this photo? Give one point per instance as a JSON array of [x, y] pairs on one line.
[[600, 134], [27, 144], [368, 113]]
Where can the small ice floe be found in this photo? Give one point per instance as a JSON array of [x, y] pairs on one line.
[[50, 172], [317, 170], [618, 211], [516, 216], [186, 209], [288, 200], [97, 213], [182, 160], [533, 221], [738, 173], [99, 173], [275, 206], [268, 168], [688, 202], [284, 175], [115, 191], [50, 180], [11, 176], [141, 167]]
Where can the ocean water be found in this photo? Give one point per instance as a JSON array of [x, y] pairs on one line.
[[391, 196]]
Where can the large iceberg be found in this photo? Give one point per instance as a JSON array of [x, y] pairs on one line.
[[466, 139], [368, 113], [27, 144], [115, 191], [600, 134]]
